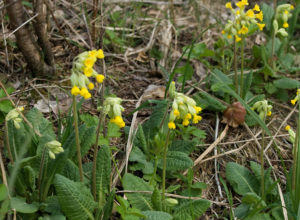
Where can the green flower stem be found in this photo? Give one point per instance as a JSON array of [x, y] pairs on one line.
[[154, 171], [273, 64], [242, 68], [100, 124], [77, 139], [262, 169], [41, 172], [8, 144], [235, 68], [165, 166]]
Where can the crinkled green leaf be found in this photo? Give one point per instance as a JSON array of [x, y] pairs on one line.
[[75, 198]]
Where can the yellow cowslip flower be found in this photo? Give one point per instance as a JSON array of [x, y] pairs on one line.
[[176, 113], [75, 91], [260, 16], [93, 53], [250, 13], [269, 113], [243, 30], [242, 3], [228, 5], [185, 122], [286, 12], [293, 101], [237, 38], [91, 86], [260, 26], [237, 12], [222, 32], [88, 71], [187, 116], [118, 120], [256, 8], [285, 25], [229, 36], [287, 127], [292, 7], [83, 91], [100, 54], [87, 95], [198, 109], [89, 62], [196, 118], [171, 125], [100, 78]]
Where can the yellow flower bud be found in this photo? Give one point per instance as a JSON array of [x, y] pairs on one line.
[[91, 86], [171, 125], [256, 8], [287, 127], [88, 71], [75, 91], [100, 54], [100, 78]]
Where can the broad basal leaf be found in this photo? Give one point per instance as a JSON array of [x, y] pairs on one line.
[[157, 215], [191, 210], [21, 206], [74, 198], [241, 179], [176, 161], [103, 174], [140, 201]]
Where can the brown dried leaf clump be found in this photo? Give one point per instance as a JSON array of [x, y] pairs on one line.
[[234, 115]]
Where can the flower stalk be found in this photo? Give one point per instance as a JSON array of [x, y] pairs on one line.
[[77, 139]]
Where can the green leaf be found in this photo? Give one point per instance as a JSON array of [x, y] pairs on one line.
[[184, 146], [151, 126], [71, 171], [40, 123], [113, 130], [107, 209], [287, 83], [3, 192], [252, 199], [20, 205], [5, 105], [191, 210], [248, 83], [89, 120], [268, 15], [137, 155], [156, 200], [186, 72], [103, 172], [241, 179], [157, 215], [140, 201], [209, 102], [177, 161], [74, 198], [199, 51]]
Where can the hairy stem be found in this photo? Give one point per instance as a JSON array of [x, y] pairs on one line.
[[235, 67], [77, 139], [165, 166], [41, 173], [262, 169], [8, 144], [273, 63], [242, 67]]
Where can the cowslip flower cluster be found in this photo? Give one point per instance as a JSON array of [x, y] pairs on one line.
[[263, 109], [184, 109], [113, 108], [283, 13], [15, 116], [54, 147], [294, 101], [82, 70], [240, 25], [291, 133]]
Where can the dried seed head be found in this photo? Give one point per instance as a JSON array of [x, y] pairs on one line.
[[234, 115]]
